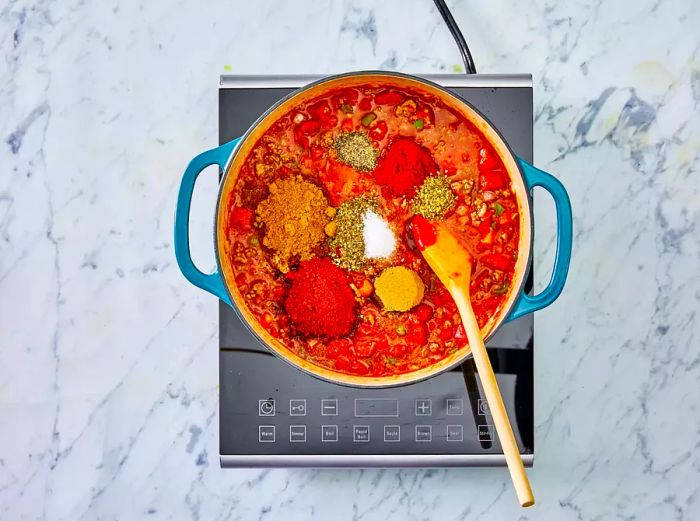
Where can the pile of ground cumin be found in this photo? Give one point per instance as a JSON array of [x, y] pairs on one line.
[[294, 216]]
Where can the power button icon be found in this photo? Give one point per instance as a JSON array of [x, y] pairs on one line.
[[266, 407]]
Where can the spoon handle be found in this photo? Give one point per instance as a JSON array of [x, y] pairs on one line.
[[494, 399]]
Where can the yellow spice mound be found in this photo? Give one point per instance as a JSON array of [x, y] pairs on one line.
[[399, 288]]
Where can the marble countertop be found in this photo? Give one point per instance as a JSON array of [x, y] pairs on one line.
[[108, 357]]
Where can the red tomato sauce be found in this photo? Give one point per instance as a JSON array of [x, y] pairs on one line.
[[485, 216]]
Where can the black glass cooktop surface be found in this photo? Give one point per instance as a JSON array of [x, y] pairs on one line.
[[273, 415]]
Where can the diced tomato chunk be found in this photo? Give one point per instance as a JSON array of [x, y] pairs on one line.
[[357, 367], [342, 363], [487, 161], [442, 297], [449, 168], [418, 334], [491, 174], [371, 346], [492, 179], [423, 312], [446, 333], [478, 280], [338, 347], [338, 178], [329, 123], [426, 114], [498, 261], [317, 152], [484, 308], [388, 97], [345, 97], [507, 230], [378, 367], [347, 125], [398, 350], [365, 104], [461, 336], [302, 141], [242, 218], [485, 226], [320, 110], [278, 292], [309, 127], [378, 130]]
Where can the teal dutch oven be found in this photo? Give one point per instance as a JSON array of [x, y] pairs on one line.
[[230, 156]]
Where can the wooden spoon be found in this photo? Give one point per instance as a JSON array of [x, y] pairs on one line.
[[452, 263]]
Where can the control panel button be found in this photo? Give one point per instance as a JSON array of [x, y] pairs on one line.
[[360, 433], [424, 433], [455, 433], [329, 433], [483, 407], [485, 432], [424, 407], [266, 433], [329, 407], [266, 407], [297, 407], [392, 433], [455, 407], [297, 433]]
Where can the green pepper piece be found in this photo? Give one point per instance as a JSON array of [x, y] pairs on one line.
[[418, 124], [368, 118], [346, 108], [501, 290], [499, 209]]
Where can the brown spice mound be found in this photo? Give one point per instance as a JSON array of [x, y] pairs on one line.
[[294, 215]]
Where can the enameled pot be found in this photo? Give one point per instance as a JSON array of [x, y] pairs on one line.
[[231, 156]]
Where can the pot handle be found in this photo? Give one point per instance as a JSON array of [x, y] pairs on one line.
[[213, 283], [536, 177]]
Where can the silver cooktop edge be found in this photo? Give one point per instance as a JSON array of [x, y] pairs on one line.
[[367, 460], [230, 81]]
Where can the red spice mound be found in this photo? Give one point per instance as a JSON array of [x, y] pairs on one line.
[[404, 166], [320, 301]]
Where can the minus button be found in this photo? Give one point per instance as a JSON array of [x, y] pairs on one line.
[[329, 407]]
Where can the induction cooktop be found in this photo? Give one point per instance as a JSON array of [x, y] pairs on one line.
[[273, 415]]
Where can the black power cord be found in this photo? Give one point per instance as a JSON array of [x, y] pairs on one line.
[[457, 35]]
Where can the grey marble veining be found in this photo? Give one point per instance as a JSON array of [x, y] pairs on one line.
[[108, 360]]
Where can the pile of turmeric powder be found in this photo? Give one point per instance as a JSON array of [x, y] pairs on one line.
[[399, 288], [294, 216]]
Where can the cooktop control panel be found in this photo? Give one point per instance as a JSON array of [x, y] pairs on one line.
[[272, 409]]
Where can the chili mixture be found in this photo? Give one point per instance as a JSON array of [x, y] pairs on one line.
[[320, 227]]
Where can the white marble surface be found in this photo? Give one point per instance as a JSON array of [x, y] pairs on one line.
[[108, 357]]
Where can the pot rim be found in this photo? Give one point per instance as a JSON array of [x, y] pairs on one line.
[[424, 373]]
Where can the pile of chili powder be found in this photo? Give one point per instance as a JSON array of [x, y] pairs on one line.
[[320, 301], [403, 167]]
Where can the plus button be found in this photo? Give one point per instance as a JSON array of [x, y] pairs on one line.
[[423, 407]]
